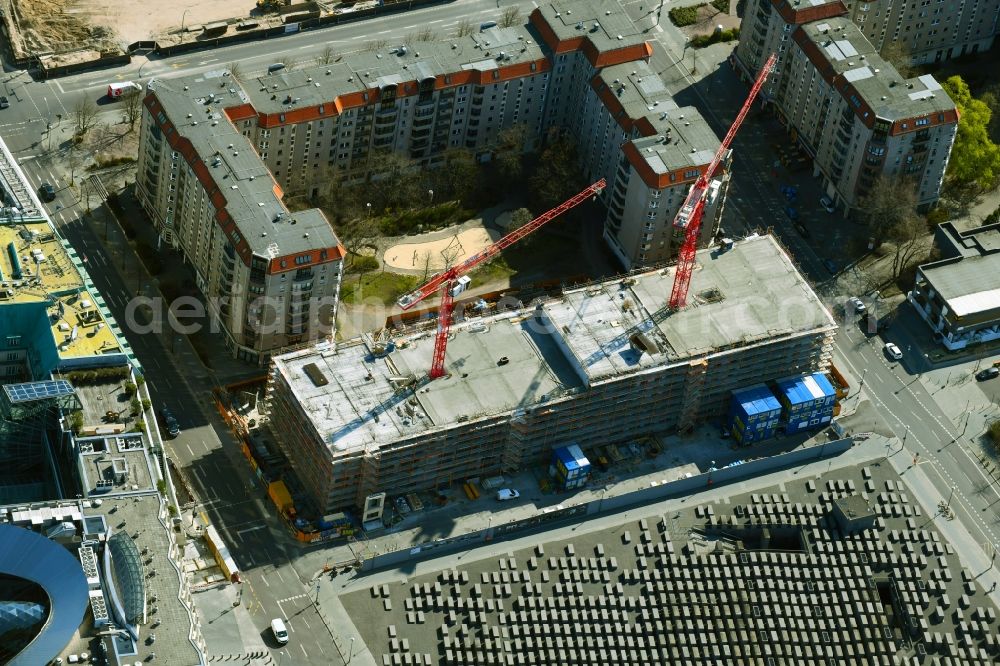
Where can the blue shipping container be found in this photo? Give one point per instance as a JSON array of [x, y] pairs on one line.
[[808, 401], [570, 462], [754, 414]]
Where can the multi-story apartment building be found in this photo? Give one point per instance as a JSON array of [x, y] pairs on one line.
[[921, 31], [270, 277], [576, 66], [849, 108], [928, 30]]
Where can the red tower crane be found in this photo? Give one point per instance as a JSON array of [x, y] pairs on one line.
[[689, 216], [450, 285]]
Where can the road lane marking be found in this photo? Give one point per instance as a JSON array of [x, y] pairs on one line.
[[249, 529], [304, 650], [190, 452]]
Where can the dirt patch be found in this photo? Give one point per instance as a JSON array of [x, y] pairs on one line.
[[103, 25]]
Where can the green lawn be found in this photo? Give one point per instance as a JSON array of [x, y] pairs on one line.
[[494, 270], [384, 287]]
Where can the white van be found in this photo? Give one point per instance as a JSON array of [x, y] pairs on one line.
[[116, 90], [279, 630]]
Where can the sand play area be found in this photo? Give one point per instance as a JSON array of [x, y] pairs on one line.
[[437, 254]]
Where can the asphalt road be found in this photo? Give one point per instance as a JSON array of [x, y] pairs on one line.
[[206, 452], [35, 126], [944, 449]]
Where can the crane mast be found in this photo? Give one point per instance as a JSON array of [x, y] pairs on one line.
[[447, 281], [689, 216]]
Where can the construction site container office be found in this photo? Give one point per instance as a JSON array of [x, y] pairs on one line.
[[806, 401], [754, 414]]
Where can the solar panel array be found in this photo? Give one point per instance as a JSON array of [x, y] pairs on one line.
[[31, 391]]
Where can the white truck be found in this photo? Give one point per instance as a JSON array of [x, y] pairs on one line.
[[116, 90]]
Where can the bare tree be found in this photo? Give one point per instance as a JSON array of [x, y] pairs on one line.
[[897, 52], [325, 57], [519, 218], [375, 45], [889, 202], [290, 63], [426, 35], [908, 235], [84, 115], [131, 105], [235, 71], [465, 28], [451, 251], [510, 17], [509, 151]]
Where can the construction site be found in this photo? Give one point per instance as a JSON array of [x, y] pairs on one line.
[[600, 364]]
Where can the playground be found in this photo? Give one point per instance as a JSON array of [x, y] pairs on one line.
[[436, 250]]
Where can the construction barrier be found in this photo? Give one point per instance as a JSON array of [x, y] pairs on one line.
[[221, 553]]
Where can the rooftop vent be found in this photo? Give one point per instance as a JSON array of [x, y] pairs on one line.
[[620, 37], [579, 26], [190, 115]]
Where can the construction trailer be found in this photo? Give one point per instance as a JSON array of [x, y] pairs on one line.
[[807, 401], [754, 414], [570, 467], [601, 364]]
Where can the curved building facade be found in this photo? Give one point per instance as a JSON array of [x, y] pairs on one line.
[[30, 556]]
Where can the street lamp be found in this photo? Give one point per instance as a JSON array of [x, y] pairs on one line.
[[430, 195], [369, 207], [950, 495], [350, 651], [183, 18]]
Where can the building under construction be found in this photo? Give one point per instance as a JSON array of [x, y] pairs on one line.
[[599, 365]]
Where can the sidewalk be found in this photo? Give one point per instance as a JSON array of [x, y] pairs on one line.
[[178, 274]]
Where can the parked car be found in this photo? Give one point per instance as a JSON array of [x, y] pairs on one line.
[[170, 423], [988, 373], [402, 506], [892, 351], [792, 213], [505, 494], [799, 227], [279, 630], [827, 204], [830, 266], [4, 102], [47, 192], [858, 306]]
